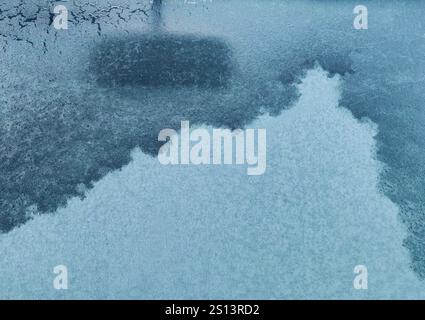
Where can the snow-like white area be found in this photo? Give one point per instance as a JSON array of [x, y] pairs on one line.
[[298, 231]]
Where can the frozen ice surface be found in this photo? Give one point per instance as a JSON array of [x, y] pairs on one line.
[[59, 133], [154, 231]]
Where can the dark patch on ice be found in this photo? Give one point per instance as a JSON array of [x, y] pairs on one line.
[[163, 59], [54, 144], [59, 138]]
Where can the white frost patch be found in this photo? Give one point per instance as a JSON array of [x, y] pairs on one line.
[[298, 231]]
